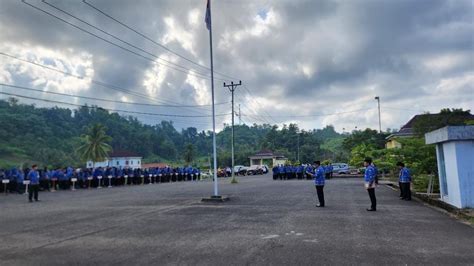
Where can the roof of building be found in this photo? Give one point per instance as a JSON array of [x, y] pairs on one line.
[[267, 153], [407, 129], [154, 165], [123, 153]]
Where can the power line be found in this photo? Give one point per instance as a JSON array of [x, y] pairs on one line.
[[252, 98], [150, 39], [96, 99], [112, 43], [121, 40], [100, 83], [111, 110], [317, 115]]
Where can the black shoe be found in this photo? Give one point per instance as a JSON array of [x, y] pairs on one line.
[[319, 205], [371, 210], [407, 199], [37, 200]]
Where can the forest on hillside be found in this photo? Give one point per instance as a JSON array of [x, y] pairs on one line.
[[50, 136]]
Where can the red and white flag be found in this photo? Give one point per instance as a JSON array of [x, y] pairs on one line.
[[208, 15]]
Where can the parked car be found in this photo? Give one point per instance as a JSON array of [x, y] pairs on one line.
[[341, 168], [240, 170], [255, 170]]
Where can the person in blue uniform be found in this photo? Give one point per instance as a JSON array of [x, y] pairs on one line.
[[404, 181], [369, 178], [281, 171], [299, 171], [33, 188], [275, 172], [308, 170], [319, 182]]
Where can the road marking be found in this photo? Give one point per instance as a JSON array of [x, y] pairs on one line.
[[270, 236]]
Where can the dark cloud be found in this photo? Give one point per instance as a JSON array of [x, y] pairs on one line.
[[327, 56]]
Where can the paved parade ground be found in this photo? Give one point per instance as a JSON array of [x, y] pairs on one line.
[[266, 223]]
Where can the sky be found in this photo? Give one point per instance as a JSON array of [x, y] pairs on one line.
[[314, 63]]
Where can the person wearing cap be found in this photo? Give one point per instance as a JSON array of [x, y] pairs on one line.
[[319, 181], [404, 181], [33, 176], [369, 178]]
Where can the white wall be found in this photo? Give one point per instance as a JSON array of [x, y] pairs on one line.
[[465, 165], [133, 162], [459, 163]]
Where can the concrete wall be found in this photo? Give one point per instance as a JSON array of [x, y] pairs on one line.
[[133, 162], [465, 165], [459, 165]]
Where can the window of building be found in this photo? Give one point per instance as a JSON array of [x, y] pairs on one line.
[[131, 162], [442, 170], [126, 162], [138, 162], [118, 163]]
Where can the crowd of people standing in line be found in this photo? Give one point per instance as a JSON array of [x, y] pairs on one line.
[[300, 172], [13, 179]]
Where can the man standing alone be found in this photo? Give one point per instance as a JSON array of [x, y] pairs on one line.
[[34, 183], [404, 181], [369, 179], [319, 181]]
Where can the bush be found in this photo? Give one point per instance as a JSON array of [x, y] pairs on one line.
[[420, 183]]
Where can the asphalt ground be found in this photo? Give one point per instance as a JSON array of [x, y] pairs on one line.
[[266, 222]]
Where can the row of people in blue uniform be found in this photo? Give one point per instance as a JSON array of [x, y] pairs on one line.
[[288, 172], [63, 178], [319, 172]]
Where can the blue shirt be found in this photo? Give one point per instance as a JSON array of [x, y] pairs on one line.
[[370, 174], [405, 176], [34, 177], [319, 176]]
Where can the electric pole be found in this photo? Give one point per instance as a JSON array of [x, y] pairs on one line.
[[380, 120], [232, 88], [298, 138]]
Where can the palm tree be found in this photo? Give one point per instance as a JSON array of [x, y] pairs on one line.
[[95, 147]]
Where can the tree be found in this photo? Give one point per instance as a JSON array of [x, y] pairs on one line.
[[189, 153], [446, 117], [95, 147]]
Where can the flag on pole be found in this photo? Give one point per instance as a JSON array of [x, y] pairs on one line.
[[208, 16]]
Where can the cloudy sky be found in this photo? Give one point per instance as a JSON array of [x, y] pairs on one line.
[[311, 62]]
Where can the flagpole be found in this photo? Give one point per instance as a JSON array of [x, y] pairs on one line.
[[214, 150]]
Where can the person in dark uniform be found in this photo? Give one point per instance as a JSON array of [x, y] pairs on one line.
[[275, 172], [319, 182], [404, 181], [369, 178], [33, 176]]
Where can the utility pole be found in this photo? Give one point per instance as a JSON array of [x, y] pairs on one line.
[[380, 120], [232, 88]]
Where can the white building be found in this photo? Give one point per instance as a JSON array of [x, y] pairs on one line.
[[123, 159], [455, 155]]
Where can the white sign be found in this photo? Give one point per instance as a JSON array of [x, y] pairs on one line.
[[126, 176], [110, 177], [89, 178], [5, 181], [26, 182], [99, 177], [73, 179]]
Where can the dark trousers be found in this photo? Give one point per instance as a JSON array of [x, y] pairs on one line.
[[33, 190], [373, 200], [320, 192], [401, 189], [405, 190]]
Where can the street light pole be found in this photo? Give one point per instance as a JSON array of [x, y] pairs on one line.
[[232, 88], [380, 120]]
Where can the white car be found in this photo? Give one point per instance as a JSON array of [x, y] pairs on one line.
[[340, 168]]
